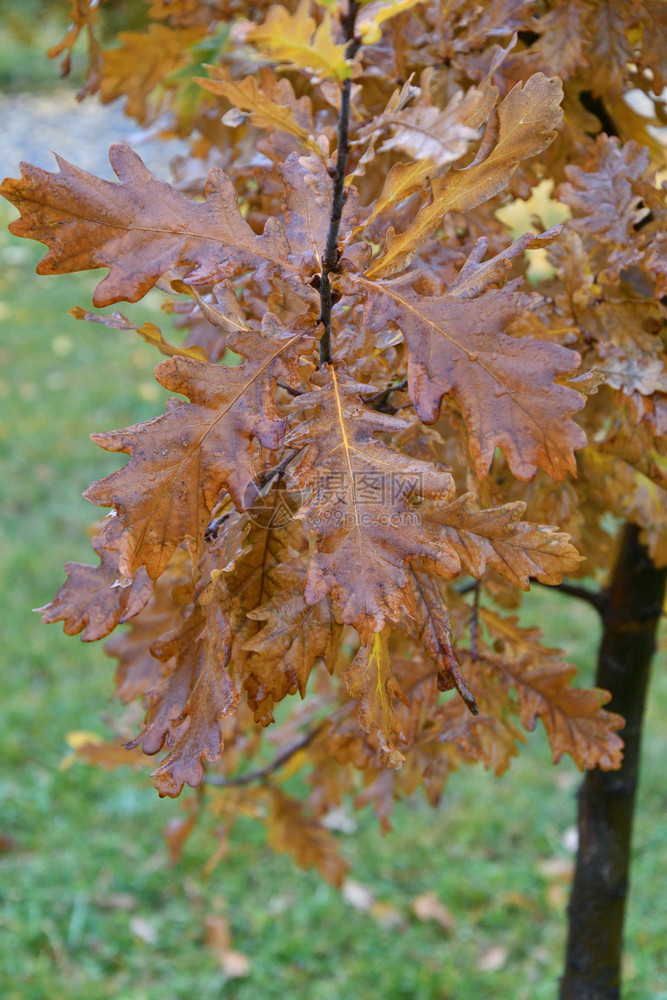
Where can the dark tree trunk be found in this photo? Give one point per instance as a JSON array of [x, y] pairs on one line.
[[606, 799]]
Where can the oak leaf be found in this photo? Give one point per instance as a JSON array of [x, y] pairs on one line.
[[270, 103], [297, 39], [368, 531], [148, 331], [574, 718], [430, 622], [526, 120], [630, 491], [182, 460], [293, 637], [427, 132], [498, 539], [504, 386], [137, 670], [141, 63], [94, 599], [140, 229], [193, 695], [605, 204], [291, 829], [370, 679]]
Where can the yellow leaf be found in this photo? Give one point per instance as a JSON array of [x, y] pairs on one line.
[[296, 39], [375, 14], [271, 103], [149, 332], [79, 737]]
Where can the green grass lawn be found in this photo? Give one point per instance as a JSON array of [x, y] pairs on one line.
[[89, 909]]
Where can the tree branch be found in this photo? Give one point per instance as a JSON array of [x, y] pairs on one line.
[[330, 259], [263, 773], [597, 599]]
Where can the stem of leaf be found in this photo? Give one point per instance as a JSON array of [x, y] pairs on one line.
[[330, 258]]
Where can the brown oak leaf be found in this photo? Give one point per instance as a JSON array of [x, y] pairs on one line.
[[182, 460], [140, 229], [359, 503], [500, 540], [370, 679], [504, 386], [140, 64], [524, 126], [194, 693], [292, 830], [94, 599], [574, 718], [293, 637]]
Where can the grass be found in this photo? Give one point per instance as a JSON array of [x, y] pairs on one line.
[[89, 909]]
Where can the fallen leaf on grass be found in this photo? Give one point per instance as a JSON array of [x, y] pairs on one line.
[[234, 964], [556, 868], [428, 907], [387, 915], [143, 929], [357, 895], [493, 959], [557, 896]]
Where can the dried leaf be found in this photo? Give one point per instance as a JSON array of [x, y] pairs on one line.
[[141, 63], [426, 132], [574, 718], [526, 120], [272, 104], [428, 907], [297, 39], [500, 540], [233, 964], [605, 205], [359, 506], [194, 694], [504, 386], [94, 599], [182, 460], [432, 628], [140, 229], [291, 829], [371, 680], [148, 331], [293, 638]]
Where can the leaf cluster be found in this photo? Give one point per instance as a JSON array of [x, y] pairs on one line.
[[371, 397]]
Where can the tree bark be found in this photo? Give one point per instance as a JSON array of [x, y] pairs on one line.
[[606, 800]]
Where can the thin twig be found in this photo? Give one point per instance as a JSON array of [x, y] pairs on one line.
[[330, 258], [277, 470], [474, 622], [288, 388], [379, 399], [596, 598], [263, 773]]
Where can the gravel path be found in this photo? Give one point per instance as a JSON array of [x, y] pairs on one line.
[[31, 125]]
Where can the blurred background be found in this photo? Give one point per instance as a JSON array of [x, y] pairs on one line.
[[466, 901]]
